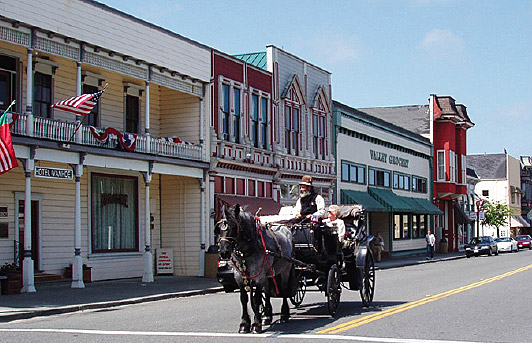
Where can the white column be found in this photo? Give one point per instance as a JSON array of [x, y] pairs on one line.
[[147, 129], [77, 262], [202, 229], [28, 275], [29, 94], [148, 257], [78, 92]]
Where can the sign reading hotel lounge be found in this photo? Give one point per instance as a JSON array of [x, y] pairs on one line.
[[54, 173], [383, 157]]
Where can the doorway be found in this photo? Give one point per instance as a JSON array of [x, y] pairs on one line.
[[35, 243]]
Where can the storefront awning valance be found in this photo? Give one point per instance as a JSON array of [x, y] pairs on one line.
[[269, 206], [518, 221], [426, 207], [362, 198], [392, 201], [460, 216]]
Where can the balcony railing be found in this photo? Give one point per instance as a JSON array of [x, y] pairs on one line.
[[61, 131]]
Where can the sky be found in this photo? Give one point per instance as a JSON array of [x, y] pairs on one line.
[[386, 52]]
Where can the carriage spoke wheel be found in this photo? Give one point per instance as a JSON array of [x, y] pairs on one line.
[[333, 289], [297, 299], [368, 280]]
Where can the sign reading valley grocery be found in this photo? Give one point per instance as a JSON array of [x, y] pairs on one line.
[[54, 173], [383, 157]]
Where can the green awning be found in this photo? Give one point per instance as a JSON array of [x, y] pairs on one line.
[[369, 203], [392, 201], [426, 207]]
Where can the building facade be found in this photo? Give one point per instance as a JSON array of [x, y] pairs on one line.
[[526, 188], [500, 181], [243, 169], [387, 170], [107, 203], [445, 124]]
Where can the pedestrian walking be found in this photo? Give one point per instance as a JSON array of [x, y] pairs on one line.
[[431, 240]]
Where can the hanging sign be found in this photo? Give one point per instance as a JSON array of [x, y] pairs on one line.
[[54, 173]]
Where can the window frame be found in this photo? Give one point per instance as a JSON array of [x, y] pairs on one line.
[[375, 172], [441, 166], [358, 167], [38, 77], [129, 116], [403, 181]]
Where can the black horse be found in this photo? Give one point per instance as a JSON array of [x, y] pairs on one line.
[[260, 267]]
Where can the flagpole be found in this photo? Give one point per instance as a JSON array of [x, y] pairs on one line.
[[77, 128], [12, 103]]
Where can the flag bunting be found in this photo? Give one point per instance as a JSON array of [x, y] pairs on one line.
[[128, 141]]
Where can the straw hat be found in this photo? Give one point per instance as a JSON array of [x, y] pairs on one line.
[[306, 180]]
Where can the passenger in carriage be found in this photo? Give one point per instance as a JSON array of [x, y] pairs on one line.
[[334, 221], [309, 203]]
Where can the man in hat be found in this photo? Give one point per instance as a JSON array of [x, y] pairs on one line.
[[309, 203]]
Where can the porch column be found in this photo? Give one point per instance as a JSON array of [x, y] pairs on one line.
[[201, 127], [148, 257], [77, 262], [147, 129], [29, 94], [28, 271], [78, 92], [202, 228]]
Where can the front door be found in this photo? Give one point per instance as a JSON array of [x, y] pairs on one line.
[[34, 231]]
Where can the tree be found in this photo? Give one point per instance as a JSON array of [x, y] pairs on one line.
[[496, 214]]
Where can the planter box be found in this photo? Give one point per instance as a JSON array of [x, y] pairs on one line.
[[12, 284], [87, 274]]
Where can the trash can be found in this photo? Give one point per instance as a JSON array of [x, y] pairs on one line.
[[444, 247], [211, 262]]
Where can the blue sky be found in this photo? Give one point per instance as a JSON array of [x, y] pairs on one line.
[[386, 52]]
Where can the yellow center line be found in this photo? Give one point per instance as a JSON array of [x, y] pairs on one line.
[[398, 309]]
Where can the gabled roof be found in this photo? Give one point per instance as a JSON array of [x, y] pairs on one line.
[[258, 59], [488, 166], [321, 96], [413, 118]]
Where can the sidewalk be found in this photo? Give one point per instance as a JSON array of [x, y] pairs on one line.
[[58, 297]]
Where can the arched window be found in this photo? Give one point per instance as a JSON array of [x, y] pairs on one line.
[[292, 122]]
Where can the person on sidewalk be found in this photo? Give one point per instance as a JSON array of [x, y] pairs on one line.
[[431, 240], [378, 247]]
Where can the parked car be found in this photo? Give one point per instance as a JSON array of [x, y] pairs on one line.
[[524, 241], [507, 244], [481, 245], [225, 276]]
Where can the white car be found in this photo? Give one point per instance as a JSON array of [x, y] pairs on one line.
[[507, 244]]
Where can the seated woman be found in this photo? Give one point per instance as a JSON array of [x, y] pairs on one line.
[[334, 221]]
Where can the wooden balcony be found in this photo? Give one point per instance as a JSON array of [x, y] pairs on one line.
[[61, 131]]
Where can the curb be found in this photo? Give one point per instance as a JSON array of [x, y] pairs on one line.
[[415, 263], [108, 304]]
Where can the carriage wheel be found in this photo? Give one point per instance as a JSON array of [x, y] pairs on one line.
[[368, 280], [297, 299], [333, 289]]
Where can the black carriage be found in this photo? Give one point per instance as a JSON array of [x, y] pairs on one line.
[[321, 260]]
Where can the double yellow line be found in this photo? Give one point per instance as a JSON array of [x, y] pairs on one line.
[[373, 317]]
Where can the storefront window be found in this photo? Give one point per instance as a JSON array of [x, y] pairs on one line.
[[114, 201]]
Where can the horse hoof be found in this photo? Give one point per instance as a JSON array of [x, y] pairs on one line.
[[284, 319], [256, 328], [267, 321], [244, 328]]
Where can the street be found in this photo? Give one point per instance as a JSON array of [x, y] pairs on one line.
[[479, 299]]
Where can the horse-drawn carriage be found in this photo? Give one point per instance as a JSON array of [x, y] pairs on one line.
[[281, 258]]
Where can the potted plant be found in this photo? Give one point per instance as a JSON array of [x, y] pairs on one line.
[[12, 278], [87, 273]]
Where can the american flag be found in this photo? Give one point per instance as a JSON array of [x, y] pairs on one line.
[[8, 160], [81, 104]]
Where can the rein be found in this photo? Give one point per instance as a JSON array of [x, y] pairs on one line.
[[243, 273]]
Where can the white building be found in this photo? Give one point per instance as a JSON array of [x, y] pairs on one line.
[[500, 181], [116, 207]]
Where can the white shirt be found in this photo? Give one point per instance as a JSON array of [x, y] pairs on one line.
[[340, 227], [320, 204]]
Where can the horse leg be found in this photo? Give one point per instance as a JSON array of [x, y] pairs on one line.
[[246, 321], [267, 306], [285, 311], [256, 302]]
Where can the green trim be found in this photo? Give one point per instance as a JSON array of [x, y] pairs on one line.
[[362, 198]]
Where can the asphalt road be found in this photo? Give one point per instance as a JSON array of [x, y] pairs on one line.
[[481, 299]]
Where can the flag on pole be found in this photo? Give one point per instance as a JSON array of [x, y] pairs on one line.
[[8, 160], [81, 104]]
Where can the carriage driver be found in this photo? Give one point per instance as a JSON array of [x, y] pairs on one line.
[[309, 203]]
